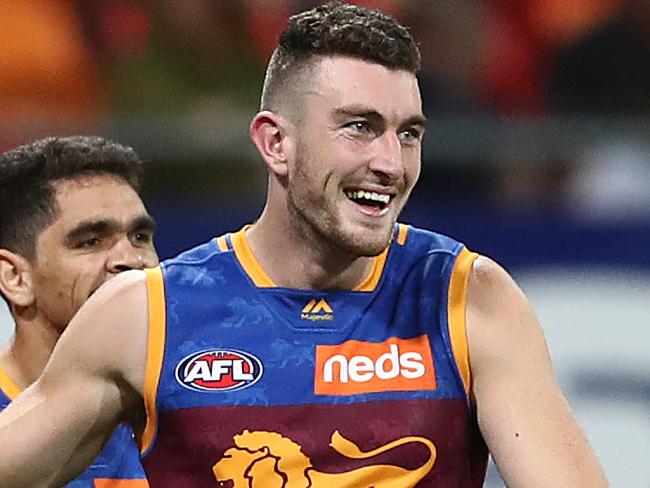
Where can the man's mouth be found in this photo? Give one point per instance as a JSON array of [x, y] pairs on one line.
[[369, 198]]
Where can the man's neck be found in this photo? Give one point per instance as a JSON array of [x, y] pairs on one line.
[[292, 260], [27, 353]]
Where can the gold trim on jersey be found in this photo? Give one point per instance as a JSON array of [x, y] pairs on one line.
[[7, 385], [371, 281], [120, 483], [256, 273], [456, 314], [222, 243], [402, 233], [248, 260], [155, 352]]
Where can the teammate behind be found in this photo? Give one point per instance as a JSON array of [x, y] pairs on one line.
[[325, 345], [70, 219]]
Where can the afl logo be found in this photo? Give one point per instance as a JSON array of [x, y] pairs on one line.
[[219, 370]]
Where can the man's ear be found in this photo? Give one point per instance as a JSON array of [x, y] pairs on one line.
[[269, 134], [16, 278]]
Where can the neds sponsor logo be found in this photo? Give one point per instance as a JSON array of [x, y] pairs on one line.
[[219, 370], [363, 367]]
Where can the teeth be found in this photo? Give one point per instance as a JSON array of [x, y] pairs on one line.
[[368, 195]]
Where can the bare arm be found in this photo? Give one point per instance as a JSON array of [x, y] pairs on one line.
[[93, 380], [525, 420]]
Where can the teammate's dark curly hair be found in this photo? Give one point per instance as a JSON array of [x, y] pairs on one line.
[[27, 196]]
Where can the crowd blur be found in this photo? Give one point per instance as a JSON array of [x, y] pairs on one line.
[[79, 65]]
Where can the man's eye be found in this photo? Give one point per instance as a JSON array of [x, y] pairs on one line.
[[410, 135], [89, 243], [359, 126], [142, 237]]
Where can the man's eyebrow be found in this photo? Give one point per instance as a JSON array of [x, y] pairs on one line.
[[90, 227], [371, 114], [419, 120], [143, 223], [358, 111]]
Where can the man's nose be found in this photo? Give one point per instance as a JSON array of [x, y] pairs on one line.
[[125, 256], [387, 159]]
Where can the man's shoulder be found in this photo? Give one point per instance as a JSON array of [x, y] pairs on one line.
[[423, 241], [198, 254]]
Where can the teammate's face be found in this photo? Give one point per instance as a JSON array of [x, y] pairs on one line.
[[102, 228], [358, 153]]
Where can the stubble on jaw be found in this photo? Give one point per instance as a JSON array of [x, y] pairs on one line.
[[322, 231], [313, 218]]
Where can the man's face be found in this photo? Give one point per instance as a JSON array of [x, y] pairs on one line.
[[102, 228], [357, 153]]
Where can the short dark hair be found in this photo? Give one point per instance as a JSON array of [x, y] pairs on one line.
[[27, 173], [339, 29]]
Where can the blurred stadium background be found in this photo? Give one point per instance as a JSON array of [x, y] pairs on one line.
[[537, 152]]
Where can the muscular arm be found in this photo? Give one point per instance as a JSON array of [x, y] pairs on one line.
[[93, 380], [525, 420]]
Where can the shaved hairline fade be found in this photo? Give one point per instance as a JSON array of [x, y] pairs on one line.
[[334, 29]]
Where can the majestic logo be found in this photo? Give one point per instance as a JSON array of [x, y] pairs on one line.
[[317, 310], [219, 370], [267, 459], [363, 367]]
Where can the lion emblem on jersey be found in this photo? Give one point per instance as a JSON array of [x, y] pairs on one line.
[[268, 460]]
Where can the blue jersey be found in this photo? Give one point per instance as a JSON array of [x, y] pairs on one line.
[[117, 466], [253, 385]]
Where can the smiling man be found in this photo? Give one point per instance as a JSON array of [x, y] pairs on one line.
[[325, 345], [70, 219]]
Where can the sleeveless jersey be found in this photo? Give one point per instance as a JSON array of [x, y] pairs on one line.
[[117, 466], [253, 385]]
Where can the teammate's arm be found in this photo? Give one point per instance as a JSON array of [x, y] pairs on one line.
[[93, 380], [525, 420]]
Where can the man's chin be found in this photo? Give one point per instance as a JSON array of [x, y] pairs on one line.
[[367, 244]]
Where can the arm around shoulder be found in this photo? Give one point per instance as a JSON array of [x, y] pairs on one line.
[[523, 416], [54, 430]]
